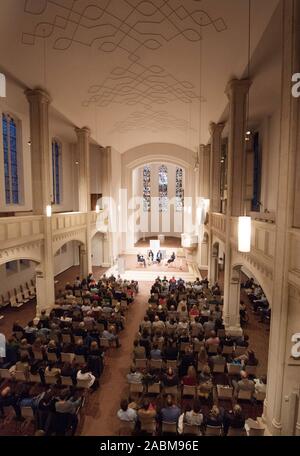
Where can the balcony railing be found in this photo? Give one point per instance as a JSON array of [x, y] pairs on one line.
[[15, 231]]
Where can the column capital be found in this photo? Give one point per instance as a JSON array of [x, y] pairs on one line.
[[216, 128], [238, 86], [38, 95], [84, 131]]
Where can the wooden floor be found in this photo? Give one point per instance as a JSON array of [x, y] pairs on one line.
[[169, 242]]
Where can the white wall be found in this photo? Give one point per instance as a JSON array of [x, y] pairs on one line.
[[66, 257]]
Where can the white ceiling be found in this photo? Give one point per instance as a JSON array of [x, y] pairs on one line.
[[130, 69]]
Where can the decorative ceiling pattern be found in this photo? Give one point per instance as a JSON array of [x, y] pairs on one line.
[[139, 84], [131, 27], [153, 121], [126, 24]]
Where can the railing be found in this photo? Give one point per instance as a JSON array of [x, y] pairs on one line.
[[68, 221], [15, 231]]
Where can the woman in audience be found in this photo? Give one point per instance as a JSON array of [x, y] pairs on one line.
[[202, 358], [191, 378]]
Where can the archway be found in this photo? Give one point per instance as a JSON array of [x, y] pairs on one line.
[[69, 254]]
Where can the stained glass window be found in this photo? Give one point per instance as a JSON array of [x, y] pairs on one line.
[[146, 188], [163, 188], [179, 190], [56, 153], [10, 154]]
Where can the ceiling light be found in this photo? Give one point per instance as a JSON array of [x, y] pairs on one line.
[[29, 143], [244, 234], [248, 133], [77, 162]]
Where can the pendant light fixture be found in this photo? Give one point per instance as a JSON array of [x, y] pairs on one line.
[[244, 222]]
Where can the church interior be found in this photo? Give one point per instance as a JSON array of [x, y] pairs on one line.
[[149, 219]]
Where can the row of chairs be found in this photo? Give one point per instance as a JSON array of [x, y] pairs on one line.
[[19, 296], [21, 376]]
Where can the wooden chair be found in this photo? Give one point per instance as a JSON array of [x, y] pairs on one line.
[[21, 376], [171, 363], [148, 425], [27, 413], [38, 355], [126, 428], [80, 359], [141, 363], [234, 369], [51, 380], [5, 374], [188, 390], [205, 389], [156, 363], [191, 429], [66, 381], [169, 428], [239, 351], [227, 350], [225, 392], [104, 343], [52, 357], [173, 390], [219, 368], [84, 384], [34, 378], [244, 395], [67, 357], [136, 388], [154, 388], [66, 338], [213, 431], [251, 370], [212, 349], [232, 432], [77, 339]]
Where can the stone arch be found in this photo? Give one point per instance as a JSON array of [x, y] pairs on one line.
[[259, 278]]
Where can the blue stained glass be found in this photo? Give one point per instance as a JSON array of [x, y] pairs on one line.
[[56, 171], [6, 160], [13, 162]]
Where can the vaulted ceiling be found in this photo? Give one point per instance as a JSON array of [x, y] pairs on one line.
[[130, 69]]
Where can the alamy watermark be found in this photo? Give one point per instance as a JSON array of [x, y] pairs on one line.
[[296, 85]]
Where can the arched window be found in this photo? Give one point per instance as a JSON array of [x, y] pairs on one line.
[[179, 190], [146, 188], [163, 188], [56, 171], [10, 154]]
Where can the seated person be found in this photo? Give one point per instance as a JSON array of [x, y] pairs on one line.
[[134, 376], [261, 384], [151, 255], [214, 417], [139, 352], [159, 257], [51, 370], [67, 403], [244, 384], [171, 351], [155, 353], [9, 398], [171, 259], [213, 339], [218, 358], [170, 378], [194, 417], [147, 411], [85, 374], [126, 413], [141, 259], [111, 336], [171, 412], [234, 419], [190, 379]]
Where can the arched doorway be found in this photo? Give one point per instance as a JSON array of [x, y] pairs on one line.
[[69, 254]]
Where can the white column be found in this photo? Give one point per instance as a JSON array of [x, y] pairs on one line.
[[41, 164], [236, 91], [83, 147], [84, 197], [215, 165]]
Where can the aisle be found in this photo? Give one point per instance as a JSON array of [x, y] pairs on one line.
[[100, 417]]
